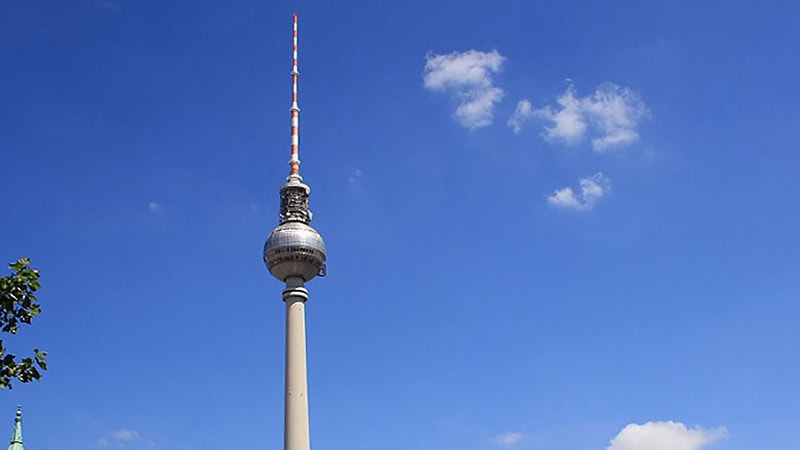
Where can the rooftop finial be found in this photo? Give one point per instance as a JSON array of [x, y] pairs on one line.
[[294, 163], [16, 438]]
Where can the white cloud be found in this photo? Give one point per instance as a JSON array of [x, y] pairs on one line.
[[523, 111], [568, 123], [506, 439], [119, 437], [591, 191], [355, 180], [154, 207], [667, 435], [468, 77], [355, 177], [611, 115], [616, 113], [125, 435]]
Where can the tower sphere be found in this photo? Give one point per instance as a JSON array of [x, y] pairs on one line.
[[295, 249]]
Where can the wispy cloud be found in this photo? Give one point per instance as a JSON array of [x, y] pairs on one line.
[[611, 115], [591, 191], [111, 6], [154, 207], [616, 113], [354, 179], [468, 77], [125, 435], [119, 438], [506, 439], [521, 113], [667, 435]]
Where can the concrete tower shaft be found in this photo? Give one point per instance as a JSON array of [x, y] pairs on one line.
[[296, 424]]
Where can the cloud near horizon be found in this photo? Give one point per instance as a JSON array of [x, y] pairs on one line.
[[119, 437], [611, 115], [467, 76], [667, 435], [592, 189], [506, 439]]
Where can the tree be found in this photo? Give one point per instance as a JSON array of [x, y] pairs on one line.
[[18, 305]]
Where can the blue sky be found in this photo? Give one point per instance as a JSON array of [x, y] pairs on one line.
[[550, 225]]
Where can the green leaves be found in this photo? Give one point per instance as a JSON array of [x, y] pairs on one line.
[[25, 370], [18, 305]]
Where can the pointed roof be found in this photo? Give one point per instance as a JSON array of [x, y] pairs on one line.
[[16, 438]]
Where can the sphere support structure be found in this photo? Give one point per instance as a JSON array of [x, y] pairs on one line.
[[296, 423]]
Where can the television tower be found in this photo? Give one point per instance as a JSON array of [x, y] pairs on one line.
[[295, 254]]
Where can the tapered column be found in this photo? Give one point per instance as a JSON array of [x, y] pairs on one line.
[[296, 436]]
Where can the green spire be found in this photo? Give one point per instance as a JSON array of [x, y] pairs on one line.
[[16, 438]]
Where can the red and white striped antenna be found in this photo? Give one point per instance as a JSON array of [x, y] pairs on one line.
[[294, 163]]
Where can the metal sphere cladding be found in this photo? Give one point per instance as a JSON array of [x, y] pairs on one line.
[[295, 249]]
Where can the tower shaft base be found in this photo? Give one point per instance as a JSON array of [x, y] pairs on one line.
[[296, 435]]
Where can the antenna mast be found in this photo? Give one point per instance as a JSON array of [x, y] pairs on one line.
[[294, 163]]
